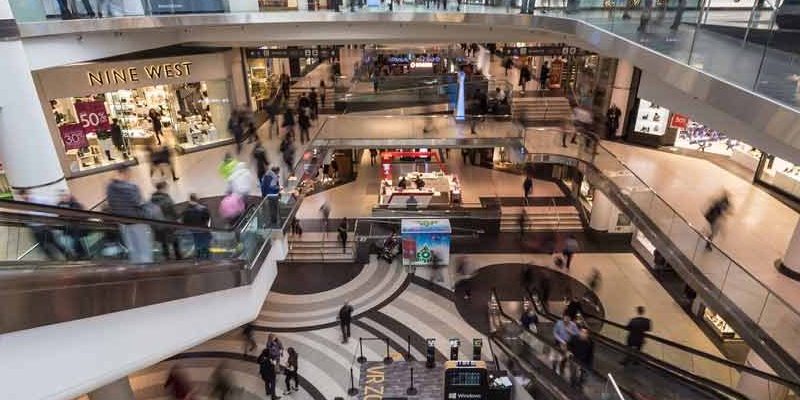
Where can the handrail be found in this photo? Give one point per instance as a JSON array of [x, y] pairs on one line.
[[740, 367], [31, 210]]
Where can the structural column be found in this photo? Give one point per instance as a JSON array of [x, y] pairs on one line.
[[790, 264], [26, 147], [120, 389], [620, 92]]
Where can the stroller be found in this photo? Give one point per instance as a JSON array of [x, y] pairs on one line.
[[390, 248]]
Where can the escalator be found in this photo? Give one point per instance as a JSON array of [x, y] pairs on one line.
[[664, 370], [81, 264]]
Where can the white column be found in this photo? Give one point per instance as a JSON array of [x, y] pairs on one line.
[[120, 389], [621, 90], [26, 147], [790, 264], [243, 5], [603, 211]]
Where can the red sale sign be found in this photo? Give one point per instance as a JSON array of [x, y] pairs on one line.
[[92, 116], [679, 121], [73, 136]]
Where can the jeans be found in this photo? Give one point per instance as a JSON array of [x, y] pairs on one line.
[[345, 325], [273, 209], [137, 238], [202, 244]]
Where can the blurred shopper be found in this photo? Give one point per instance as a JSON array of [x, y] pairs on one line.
[[304, 122], [287, 151], [163, 235], [525, 76], [275, 348], [570, 248], [527, 188], [644, 19], [522, 222], [231, 208], [291, 371], [714, 215], [342, 230], [197, 215], [581, 346], [43, 235], [155, 120], [125, 199], [637, 328], [678, 15], [268, 373], [73, 232], [240, 181], [271, 189], [530, 320], [260, 159], [236, 128], [563, 331], [573, 308], [313, 99], [345, 317], [325, 212], [322, 93], [544, 75], [373, 156], [248, 334], [286, 84], [103, 8], [178, 385], [479, 109], [544, 292], [227, 166], [288, 122], [222, 382], [161, 157], [303, 105]]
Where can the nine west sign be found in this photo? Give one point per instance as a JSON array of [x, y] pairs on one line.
[[102, 77]]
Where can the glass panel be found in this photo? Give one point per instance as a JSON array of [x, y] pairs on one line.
[[781, 323], [683, 236], [743, 290], [713, 263]]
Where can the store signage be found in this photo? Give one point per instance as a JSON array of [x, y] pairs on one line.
[[678, 121], [152, 72], [186, 6], [73, 136], [414, 59], [291, 53], [373, 387], [93, 116], [544, 51]]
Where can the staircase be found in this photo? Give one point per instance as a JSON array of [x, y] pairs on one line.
[[320, 248], [548, 110], [541, 219], [296, 91]]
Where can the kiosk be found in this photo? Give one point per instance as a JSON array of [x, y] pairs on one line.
[[424, 239], [467, 380]]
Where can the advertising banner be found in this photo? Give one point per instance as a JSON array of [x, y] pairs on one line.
[[679, 121], [73, 136], [424, 240], [92, 116]]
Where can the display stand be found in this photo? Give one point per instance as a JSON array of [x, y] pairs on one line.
[[426, 241]]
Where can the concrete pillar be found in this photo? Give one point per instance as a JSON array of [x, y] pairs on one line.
[[120, 389], [790, 264], [621, 91], [26, 147], [603, 212]]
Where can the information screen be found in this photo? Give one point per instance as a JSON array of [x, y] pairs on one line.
[[464, 378]]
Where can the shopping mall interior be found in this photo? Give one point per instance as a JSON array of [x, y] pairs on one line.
[[399, 199]]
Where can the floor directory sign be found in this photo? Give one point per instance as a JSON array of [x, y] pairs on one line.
[[425, 240]]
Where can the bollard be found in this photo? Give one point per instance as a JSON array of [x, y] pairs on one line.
[[352, 391], [411, 391], [361, 359], [388, 360]]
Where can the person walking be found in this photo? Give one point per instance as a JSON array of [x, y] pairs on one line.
[[323, 92], [570, 248], [714, 215], [178, 385], [260, 159], [345, 317], [563, 331], [304, 122], [76, 249], [288, 122], [544, 75], [163, 235], [221, 382], [160, 157], [268, 373], [272, 118], [527, 188], [125, 199], [325, 212], [236, 128], [291, 371], [525, 76], [373, 156], [342, 229], [530, 320], [581, 346], [271, 189], [275, 348], [155, 120], [197, 215], [248, 333], [637, 328], [313, 100]]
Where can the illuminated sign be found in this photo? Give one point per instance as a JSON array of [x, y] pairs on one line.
[[152, 72]]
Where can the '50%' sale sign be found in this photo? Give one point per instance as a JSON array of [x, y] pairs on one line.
[[92, 116]]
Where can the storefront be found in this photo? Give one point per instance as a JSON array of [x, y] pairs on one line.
[[416, 179], [5, 187], [657, 126], [182, 102]]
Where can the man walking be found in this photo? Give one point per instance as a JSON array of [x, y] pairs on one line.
[[345, 317], [637, 327], [268, 374], [271, 189]]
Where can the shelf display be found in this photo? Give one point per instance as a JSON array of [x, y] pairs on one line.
[[720, 326], [651, 118]]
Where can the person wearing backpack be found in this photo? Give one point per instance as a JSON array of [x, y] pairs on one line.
[[267, 370]]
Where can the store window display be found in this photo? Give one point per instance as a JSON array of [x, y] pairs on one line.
[[182, 116], [780, 174]]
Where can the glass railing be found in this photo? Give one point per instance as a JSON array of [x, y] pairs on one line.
[[737, 377], [737, 41], [732, 282]]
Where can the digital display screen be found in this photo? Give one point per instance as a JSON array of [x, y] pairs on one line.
[[455, 342], [464, 378]]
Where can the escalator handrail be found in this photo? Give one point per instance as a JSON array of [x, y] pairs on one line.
[[30, 210], [696, 381], [732, 364]]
